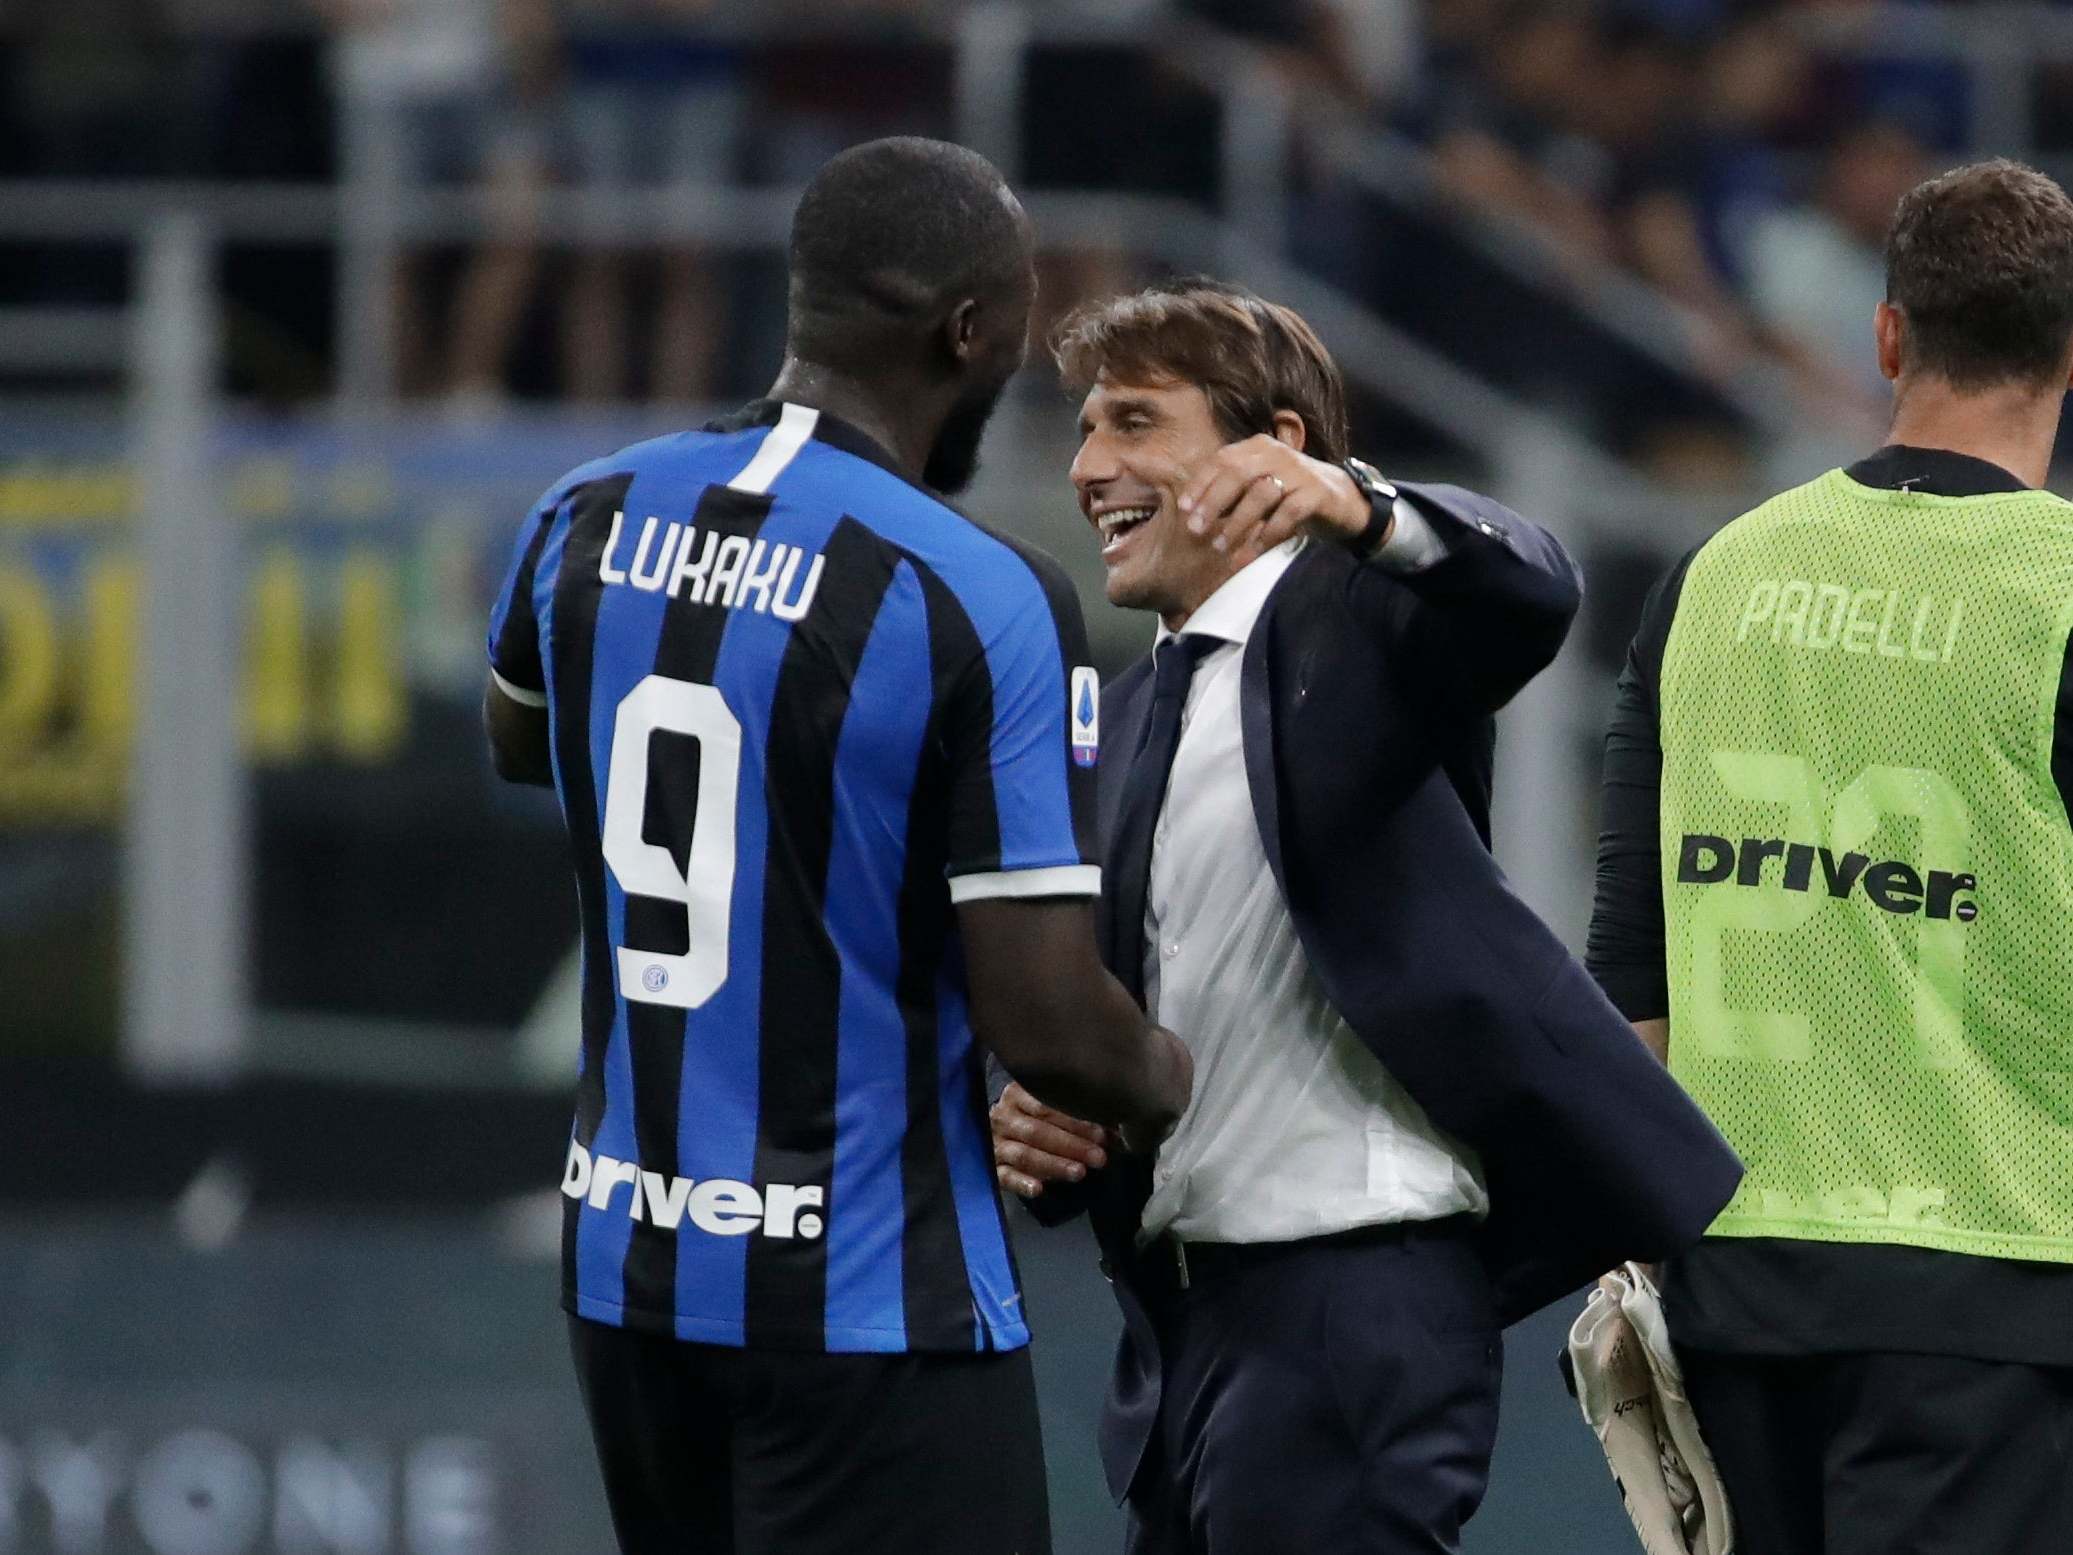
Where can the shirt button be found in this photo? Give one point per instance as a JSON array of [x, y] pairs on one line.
[[1172, 951]]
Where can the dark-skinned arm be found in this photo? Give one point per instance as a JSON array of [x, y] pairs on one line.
[[514, 703], [1060, 1024], [518, 738]]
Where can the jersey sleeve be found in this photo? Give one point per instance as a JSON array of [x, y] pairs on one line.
[[514, 632], [1625, 947], [1023, 725]]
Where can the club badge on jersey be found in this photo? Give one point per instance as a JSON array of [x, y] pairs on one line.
[[1086, 716]]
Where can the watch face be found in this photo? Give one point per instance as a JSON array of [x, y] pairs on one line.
[[1369, 479]]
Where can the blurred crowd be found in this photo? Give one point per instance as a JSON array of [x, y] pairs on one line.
[[1705, 147], [1740, 157], [647, 97], [656, 98], [1713, 154]]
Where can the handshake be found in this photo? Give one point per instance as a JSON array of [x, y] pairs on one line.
[[1035, 1144]]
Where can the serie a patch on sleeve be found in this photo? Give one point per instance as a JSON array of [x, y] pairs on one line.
[[1086, 715]]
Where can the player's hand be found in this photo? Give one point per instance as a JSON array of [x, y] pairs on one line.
[[1034, 1144], [1250, 496]]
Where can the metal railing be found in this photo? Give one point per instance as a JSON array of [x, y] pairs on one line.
[[186, 992], [1997, 46], [1626, 308], [1535, 462]]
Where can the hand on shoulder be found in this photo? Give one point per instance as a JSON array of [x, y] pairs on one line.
[[1251, 495]]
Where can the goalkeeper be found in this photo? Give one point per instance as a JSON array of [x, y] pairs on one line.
[[1835, 894]]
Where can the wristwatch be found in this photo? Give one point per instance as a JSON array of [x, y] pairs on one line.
[[1381, 495]]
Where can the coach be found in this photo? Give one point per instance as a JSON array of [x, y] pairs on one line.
[[1415, 1119]]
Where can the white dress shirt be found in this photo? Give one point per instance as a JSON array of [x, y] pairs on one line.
[[1295, 1129]]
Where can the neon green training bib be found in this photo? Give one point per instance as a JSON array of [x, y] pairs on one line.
[[1868, 870]]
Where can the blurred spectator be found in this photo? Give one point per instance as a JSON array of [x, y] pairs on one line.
[[1069, 141], [1665, 138], [1756, 83], [86, 73], [1816, 272], [453, 92], [867, 70], [1360, 51], [2054, 110], [1368, 49], [1455, 36], [1689, 200], [1510, 131], [653, 109], [77, 79]]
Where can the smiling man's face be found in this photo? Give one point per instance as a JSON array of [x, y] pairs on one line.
[[1139, 446]]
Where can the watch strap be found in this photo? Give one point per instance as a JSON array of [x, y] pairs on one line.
[[1381, 495]]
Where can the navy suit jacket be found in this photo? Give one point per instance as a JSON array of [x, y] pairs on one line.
[[1366, 699]]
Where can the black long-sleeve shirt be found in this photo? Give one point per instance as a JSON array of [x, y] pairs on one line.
[[1776, 1295]]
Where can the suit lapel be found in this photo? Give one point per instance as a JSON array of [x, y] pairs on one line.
[[1256, 728], [1118, 1195], [1125, 710]]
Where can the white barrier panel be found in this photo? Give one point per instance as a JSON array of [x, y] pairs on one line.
[[184, 1017]]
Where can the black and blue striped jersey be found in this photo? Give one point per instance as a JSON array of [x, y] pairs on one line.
[[799, 708]]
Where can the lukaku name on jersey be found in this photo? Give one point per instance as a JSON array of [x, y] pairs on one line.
[[798, 708], [728, 570]]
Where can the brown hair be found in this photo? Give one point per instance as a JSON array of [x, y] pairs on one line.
[[1251, 357], [1980, 261]]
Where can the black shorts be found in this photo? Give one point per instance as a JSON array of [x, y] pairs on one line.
[[710, 1450], [1877, 1453]]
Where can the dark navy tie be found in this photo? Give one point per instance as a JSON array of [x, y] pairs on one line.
[[1144, 791]]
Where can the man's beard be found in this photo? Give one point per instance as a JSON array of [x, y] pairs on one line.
[[955, 459]]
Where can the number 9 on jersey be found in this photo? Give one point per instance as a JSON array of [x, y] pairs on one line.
[[705, 886]]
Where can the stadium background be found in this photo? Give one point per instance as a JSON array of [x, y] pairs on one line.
[[301, 305]]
